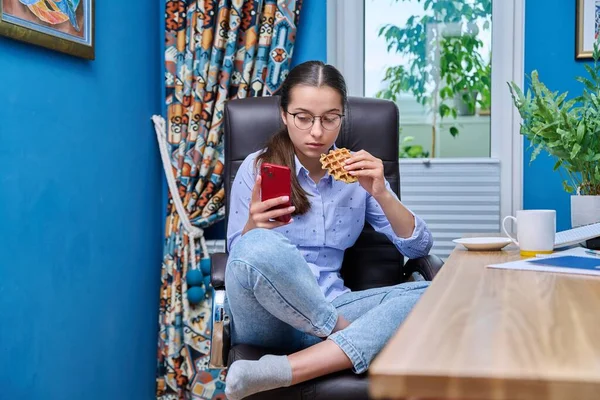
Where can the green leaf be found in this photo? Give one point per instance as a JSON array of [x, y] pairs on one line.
[[588, 84], [561, 99], [580, 131], [444, 110], [557, 165], [415, 151], [453, 131], [542, 130], [591, 71], [536, 151], [576, 149], [568, 188]]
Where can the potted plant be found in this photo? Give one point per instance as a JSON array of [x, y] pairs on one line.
[[444, 70], [465, 76], [569, 130]]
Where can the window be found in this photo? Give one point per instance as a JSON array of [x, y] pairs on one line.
[[462, 152], [433, 59]]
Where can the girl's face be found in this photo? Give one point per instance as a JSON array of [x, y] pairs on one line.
[[307, 102]]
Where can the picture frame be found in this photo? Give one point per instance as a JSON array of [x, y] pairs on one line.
[[66, 26], [587, 27]]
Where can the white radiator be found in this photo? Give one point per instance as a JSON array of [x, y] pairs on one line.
[[453, 196]]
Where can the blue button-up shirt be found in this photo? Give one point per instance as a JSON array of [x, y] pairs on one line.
[[335, 220]]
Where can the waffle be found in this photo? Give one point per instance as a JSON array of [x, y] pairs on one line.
[[333, 162]]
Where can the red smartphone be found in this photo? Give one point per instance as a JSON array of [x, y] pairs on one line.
[[276, 182]]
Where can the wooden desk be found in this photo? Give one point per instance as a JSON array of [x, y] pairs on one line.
[[482, 333]]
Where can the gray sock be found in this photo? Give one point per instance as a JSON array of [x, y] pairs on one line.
[[245, 378]]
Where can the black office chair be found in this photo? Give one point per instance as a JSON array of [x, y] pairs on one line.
[[373, 261]]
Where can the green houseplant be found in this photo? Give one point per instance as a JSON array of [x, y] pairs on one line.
[[466, 77], [569, 130], [449, 33]]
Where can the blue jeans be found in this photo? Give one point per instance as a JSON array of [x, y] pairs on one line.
[[274, 301]]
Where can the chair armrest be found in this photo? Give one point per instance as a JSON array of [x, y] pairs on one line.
[[427, 266], [218, 262]]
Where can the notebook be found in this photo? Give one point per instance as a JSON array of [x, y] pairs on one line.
[[576, 235], [588, 263], [572, 261]]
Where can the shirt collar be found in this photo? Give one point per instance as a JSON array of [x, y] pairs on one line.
[[300, 169], [299, 166]]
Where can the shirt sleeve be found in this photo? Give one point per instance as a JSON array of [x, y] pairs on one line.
[[239, 200], [420, 242]]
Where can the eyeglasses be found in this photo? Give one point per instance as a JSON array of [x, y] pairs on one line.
[[305, 121]]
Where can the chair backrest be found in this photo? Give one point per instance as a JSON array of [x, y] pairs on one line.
[[369, 124]]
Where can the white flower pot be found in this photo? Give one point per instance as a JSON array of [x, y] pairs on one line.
[[585, 210]]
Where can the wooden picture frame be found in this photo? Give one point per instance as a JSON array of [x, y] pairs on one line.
[[587, 27], [66, 26]]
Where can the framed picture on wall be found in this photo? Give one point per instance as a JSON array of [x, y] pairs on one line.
[[587, 27], [62, 25]]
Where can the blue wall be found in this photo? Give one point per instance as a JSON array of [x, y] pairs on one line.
[[550, 48], [80, 212], [311, 44]]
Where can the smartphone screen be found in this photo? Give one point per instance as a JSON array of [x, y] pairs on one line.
[[276, 182]]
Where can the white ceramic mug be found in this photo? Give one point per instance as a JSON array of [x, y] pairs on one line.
[[536, 230]]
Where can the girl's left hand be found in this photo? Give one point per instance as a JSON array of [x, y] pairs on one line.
[[369, 171]]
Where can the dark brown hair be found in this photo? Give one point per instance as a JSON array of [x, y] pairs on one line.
[[279, 148]]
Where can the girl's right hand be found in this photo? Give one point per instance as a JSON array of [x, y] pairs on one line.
[[261, 213]]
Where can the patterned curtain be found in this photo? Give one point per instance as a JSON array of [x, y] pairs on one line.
[[215, 51]]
